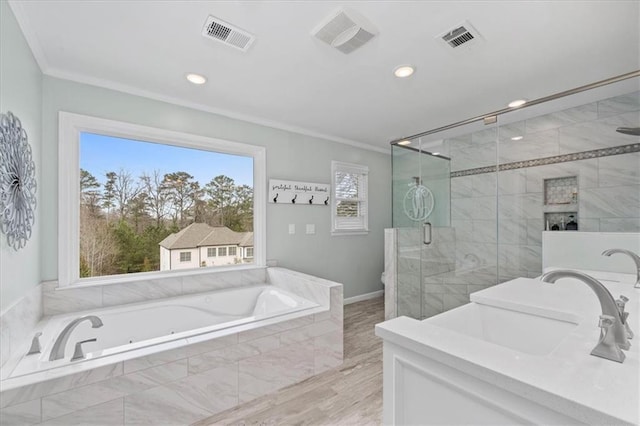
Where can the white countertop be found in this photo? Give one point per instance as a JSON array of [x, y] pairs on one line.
[[569, 380]]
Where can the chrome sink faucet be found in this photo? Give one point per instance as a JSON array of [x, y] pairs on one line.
[[613, 336], [632, 255], [57, 352]]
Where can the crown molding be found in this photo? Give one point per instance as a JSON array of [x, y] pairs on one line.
[[119, 87], [47, 69]]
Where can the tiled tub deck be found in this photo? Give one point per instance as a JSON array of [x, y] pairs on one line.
[[184, 384]]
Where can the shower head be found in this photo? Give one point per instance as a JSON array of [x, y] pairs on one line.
[[633, 131]]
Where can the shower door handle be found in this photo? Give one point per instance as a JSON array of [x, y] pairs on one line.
[[426, 233]]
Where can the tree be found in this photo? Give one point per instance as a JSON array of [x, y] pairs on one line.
[[121, 188], [182, 191], [109, 195], [90, 192], [98, 248], [157, 195], [137, 208], [239, 215], [220, 190]]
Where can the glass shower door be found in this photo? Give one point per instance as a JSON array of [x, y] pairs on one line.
[[421, 216]]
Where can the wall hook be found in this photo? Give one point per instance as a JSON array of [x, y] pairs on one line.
[[275, 199], [311, 200], [326, 202], [293, 200]]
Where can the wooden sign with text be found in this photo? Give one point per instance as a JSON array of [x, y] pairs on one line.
[[299, 193]]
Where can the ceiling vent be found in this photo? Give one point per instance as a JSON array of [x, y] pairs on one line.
[[461, 35], [345, 31], [219, 30]]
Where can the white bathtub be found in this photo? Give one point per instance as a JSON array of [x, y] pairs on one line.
[[136, 327]]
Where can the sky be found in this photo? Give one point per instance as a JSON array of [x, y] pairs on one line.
[[100, 154]]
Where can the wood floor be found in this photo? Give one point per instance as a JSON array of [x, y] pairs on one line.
[[348, 395]]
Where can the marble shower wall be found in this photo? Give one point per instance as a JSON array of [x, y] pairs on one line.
[[497, 217], [608, 187]]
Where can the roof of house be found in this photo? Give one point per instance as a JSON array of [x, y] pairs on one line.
[[247, 241], [201, 234]]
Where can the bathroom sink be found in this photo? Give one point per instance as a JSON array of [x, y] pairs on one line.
[[527, 333]]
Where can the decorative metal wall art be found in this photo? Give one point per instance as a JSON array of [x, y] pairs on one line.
[[17, 182]]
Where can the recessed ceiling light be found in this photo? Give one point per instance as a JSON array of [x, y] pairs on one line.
[[517, 138], [407, 142], [517, 103], [196, 78], [403, 71]]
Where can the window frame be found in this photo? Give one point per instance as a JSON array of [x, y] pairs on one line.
[[247, 253], [211, 250], [222, 250], [70, 127], [235, 251], [336, 167], [187, 256]]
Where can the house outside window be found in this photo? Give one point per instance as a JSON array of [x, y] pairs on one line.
[[205, 242], [185, 256], [349, 210], [249, 252]]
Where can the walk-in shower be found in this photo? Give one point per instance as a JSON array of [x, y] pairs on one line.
[[471, 200]]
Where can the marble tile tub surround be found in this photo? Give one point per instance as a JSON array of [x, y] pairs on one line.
[[18, 321], [64, 300], [307, 286], [188, 383]]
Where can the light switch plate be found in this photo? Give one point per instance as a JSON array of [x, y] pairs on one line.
[[311, 228]]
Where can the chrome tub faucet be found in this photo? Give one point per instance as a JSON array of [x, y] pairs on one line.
[[632, 255], [57, 352], [613, 335]]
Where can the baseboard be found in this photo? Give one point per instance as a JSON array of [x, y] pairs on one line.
[[362, 297]]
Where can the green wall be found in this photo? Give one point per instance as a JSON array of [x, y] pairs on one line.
[[355, 261], [20, 93]]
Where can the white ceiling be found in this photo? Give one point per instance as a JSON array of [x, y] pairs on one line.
[[289, 79]]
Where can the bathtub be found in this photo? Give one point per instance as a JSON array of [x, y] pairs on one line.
[[138, 328], [175, 361]]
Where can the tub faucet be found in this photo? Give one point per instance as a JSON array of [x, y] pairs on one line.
[[57, 352], [632, 255], [614, 322]]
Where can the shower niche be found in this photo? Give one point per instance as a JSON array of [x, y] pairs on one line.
[[561, 204]]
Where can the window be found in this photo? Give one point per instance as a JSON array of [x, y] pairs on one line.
[[211, 252], [249, 252], [124, 189], [232, 251], [222, 251], [185, 256], [349, 213]]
